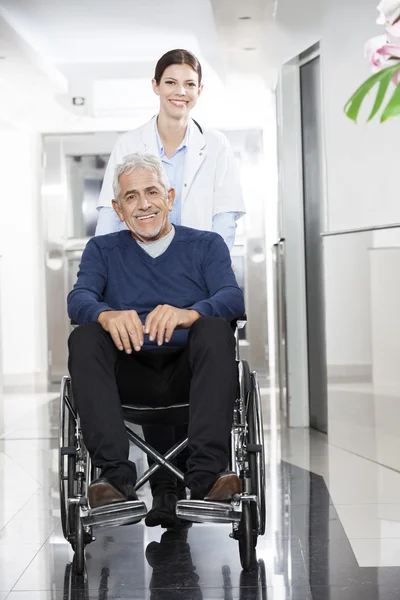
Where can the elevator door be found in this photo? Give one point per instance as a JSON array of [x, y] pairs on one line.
[[310, 86]]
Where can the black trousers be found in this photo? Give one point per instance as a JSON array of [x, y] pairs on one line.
[[204, 371]]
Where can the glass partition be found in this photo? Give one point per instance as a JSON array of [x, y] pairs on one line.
[[362, 299]]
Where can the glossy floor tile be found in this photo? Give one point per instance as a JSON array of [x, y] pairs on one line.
[[377, 521], [333, 526], [363, 420], [14, 559]]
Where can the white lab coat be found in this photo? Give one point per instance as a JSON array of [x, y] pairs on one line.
[[210, 181]]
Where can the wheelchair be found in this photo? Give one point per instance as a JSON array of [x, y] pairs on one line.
[[246, 511]]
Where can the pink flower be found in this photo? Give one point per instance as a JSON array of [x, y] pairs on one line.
[[375, 51], [394, 30], [389, 12], [381, 53]]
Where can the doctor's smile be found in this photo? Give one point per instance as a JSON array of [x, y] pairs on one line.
[[179, 102]]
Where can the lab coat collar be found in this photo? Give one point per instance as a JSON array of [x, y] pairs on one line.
[[195, 153], [183, 144], [149, 139]]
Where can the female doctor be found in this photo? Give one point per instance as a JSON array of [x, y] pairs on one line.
[[200, 166]]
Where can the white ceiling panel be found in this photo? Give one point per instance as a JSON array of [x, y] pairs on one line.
[[105, 51], [113, 31]]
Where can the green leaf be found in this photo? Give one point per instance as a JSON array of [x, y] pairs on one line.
[[352, 107], [393, 107], [383, 86]]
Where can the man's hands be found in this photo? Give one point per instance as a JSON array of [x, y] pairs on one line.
[[164, 319], [127, 330]]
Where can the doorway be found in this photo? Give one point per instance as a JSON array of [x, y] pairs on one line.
[[313, 208], [302, 210]]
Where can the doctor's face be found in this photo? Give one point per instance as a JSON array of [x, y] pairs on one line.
[[178, 90], [144, 206]]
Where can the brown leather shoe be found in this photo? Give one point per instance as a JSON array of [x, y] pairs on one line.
[[224, 488], [105, 491]]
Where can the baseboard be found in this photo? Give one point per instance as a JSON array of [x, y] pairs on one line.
[[35, 382], [350, 373]]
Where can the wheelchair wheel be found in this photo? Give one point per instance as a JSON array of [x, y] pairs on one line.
[[79, 543], [75, 586], [247, 537], [253, 584], [67, 461], [256, 451]]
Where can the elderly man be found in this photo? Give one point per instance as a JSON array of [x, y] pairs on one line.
[[154, 305]]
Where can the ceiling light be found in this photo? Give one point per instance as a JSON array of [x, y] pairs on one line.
[[248, 49], [78, 101], [244, 18]]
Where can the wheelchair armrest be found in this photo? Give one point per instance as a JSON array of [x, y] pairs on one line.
[[239, 323]]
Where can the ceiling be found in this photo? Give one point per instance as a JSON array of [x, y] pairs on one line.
[[105, 52]]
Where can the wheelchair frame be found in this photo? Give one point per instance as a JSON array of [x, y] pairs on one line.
[[246, 511]]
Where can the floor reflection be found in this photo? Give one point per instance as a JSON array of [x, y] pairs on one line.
[[316, 495], [173, 576]]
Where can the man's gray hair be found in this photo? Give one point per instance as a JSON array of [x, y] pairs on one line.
[[139, 160]]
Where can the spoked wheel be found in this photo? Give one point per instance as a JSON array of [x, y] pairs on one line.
[[67, 461], [73, 461], [247, 538], [79, 543], [256, 452]]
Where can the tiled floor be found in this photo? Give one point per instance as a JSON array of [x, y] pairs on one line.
[[333, 527]]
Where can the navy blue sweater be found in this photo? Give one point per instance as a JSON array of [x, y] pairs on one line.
[[195, 272]]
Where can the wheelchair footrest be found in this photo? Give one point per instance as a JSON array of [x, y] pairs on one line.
[[113, 515], [202, 511]]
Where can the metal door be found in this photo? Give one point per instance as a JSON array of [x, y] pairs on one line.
[[313, 194]]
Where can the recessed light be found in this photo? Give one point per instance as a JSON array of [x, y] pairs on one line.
[[244, 18], [78, 101], [249, 49]]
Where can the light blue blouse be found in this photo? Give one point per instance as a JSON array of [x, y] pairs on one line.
[[223, 223]]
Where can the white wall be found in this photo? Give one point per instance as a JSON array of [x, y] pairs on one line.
[[362, 180], [22, 286], [348, 305], [361, 160], [385, 294]]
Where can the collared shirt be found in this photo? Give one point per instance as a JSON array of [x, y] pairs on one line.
[[173, 168], [222, 223]]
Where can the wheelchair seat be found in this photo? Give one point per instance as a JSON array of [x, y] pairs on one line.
[[176, 414]]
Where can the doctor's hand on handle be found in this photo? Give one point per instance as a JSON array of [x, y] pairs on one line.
[[127, 330]]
